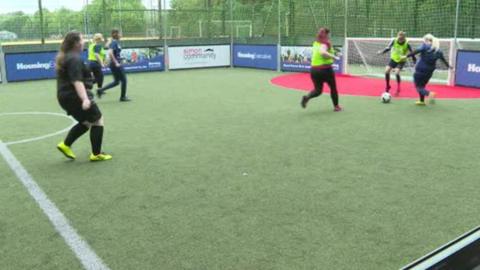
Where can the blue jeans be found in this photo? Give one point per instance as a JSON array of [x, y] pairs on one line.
[[421, 80], [119, 77]]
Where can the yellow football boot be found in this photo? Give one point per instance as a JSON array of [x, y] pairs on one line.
[[66, 150], [420, 103], [100, 157]]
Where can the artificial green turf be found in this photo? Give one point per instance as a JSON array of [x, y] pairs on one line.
[[27, 239], [219, 169], [30, 126]]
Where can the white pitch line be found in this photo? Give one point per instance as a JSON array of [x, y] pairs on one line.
[[38, 138], [85, 254]]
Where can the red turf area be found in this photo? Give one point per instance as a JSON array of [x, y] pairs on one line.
[[362, 86]]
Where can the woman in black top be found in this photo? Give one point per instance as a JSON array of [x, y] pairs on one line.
[[74, 81]]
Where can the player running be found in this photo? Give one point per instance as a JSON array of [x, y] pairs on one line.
[[323, 56], [116, 67], [429, 54], [398, 48], [96, 58], [74, 82]]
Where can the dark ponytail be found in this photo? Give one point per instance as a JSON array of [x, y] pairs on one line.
[[69, 43], [115, 33]]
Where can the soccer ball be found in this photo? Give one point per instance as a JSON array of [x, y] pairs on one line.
[[386, 97]]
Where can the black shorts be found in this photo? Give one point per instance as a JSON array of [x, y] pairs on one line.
[[73, 106], [394, 64]]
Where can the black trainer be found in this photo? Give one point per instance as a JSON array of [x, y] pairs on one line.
[[100, 93], [304, 102], [125, 99]]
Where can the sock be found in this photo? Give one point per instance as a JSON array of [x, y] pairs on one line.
[[75, 133], [96, 137], [387, 80], [398, 80], [422, 98], [334, 96]]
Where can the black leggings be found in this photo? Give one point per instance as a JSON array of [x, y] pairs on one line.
[[96, 69], [321, 76]]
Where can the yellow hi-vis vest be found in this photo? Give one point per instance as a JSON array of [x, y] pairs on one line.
[[318, 59], [91, 53], [399, 50]]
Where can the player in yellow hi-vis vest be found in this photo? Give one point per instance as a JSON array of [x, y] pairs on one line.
[[96, 58], [399, 48], [323, 56]]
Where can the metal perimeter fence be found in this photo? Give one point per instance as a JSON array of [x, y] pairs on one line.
[[285, 22]]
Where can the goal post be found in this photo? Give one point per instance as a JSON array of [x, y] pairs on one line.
[[175, 31], [222, 28], [361, 58], [248, 29]]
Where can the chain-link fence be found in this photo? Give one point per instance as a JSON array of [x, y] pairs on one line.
[[245, 21]]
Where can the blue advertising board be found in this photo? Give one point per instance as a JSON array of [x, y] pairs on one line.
[[255, 56], [298, 59], [30, 66], [34, 66], [141, 60], [467, 71]]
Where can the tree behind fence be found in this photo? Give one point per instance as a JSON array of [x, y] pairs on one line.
[[248, 21]]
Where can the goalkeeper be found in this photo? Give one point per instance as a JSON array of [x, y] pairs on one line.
[[398, 47]]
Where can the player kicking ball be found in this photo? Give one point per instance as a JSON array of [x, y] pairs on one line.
[[429, 54], [398, 47]]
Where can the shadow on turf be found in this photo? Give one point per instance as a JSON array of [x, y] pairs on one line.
[[318, 113]]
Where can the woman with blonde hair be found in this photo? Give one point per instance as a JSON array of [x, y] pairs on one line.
[[96, 58], [429, 54]]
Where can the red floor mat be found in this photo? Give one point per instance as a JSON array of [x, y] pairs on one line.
[[362, 86]]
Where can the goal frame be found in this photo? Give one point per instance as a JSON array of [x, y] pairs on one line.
[[451, 53], [237, 24], [174, 28]]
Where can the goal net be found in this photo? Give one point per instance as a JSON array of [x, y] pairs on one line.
[[468, 44], [223, 28], [361, 58]]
